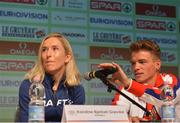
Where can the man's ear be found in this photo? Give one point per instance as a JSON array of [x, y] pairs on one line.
[[158, 64]]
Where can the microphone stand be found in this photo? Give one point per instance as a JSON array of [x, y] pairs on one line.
[[113, 86]]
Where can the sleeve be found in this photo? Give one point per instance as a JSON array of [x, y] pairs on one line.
[[24, 101], [78, 95], [151, 94], [131, 109]]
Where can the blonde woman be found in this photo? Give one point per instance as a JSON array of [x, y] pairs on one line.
[[58, 72]]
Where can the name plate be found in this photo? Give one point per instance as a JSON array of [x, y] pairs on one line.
[[94, 113]]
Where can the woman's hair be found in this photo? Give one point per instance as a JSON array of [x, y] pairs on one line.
[[72, 73], [146, 45]]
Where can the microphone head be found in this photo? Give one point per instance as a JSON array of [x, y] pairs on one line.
[[86, 76]]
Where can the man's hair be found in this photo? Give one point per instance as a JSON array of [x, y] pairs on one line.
[[146, 45]]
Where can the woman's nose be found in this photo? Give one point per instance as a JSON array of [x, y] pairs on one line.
[[49, 52]]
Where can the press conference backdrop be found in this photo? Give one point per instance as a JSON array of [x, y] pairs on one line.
[[98, 30]]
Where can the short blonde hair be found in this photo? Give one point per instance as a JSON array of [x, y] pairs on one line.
[[73, 76], [147, 45]]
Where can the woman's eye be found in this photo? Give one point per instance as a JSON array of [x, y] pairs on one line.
[[55, 48], [44, 49]]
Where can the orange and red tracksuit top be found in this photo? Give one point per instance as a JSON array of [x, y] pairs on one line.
[[148, 96]]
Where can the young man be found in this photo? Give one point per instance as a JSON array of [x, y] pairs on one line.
[[145, 89]]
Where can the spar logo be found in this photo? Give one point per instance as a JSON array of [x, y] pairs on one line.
[[156, 25], [16, 65], [19, 48], [155, 10], [110, 6], [109, 53]]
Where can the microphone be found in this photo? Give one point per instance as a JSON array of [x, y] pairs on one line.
[[99, 73]]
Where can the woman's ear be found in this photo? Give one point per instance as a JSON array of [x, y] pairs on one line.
[[68, 58]]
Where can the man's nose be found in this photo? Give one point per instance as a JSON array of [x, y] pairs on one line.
[[136, 66]]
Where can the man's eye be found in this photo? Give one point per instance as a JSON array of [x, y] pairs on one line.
[[142, 62], [132, 63]]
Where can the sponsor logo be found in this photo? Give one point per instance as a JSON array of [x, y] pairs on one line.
[[162, 40], [19, 1], [16, 65], [109, 53], [111, 37], [69, 18], [105, 5], [19, 14], [155, 25], [171, 26], [169, 57], [9, 83], [22, 32], [110, 21], [127, 7], [57, 102], [155, 10], [8, 101], [77, 4], [80, 35], [73, 34], [110, 6], [19, 48]]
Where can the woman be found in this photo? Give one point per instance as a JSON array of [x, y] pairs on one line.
[[60, 76]]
